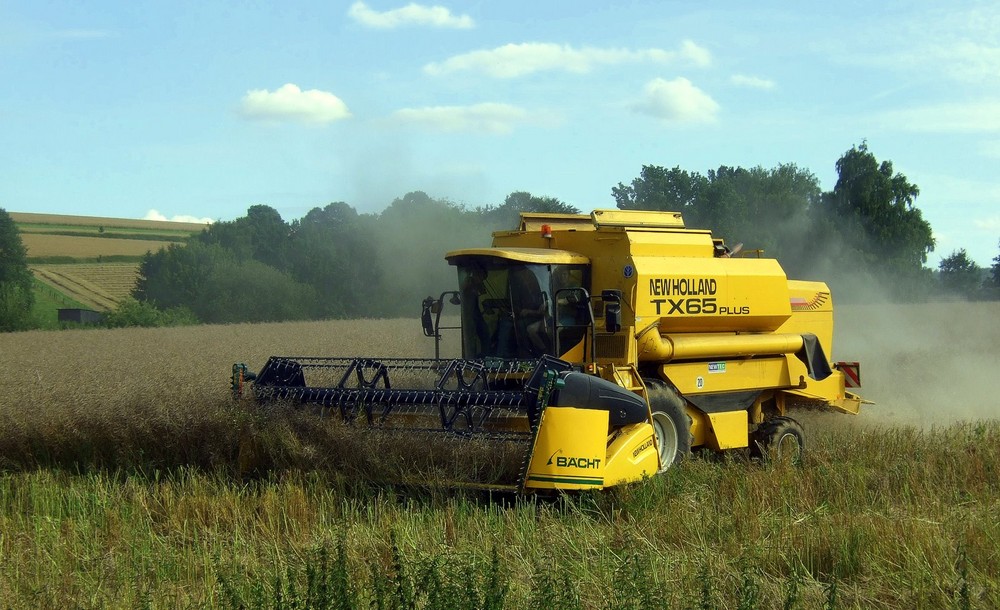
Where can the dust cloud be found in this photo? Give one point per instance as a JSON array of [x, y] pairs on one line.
[[923, 364]]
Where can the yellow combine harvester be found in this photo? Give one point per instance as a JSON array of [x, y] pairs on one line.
[[597, 350]]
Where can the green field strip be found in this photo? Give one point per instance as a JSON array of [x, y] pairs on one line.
[[146, 236], [42, 227], [48, 302]]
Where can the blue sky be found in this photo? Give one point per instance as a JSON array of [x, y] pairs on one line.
[[203, 108]]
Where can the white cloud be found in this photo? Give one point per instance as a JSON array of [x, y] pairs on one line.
[[677, 101], [942, 41], [990, 148], [411, 14], [288, 102], [988, 224], [753, 82], [513, 60], [695, 55], [956, 117], [489, 118], [156, 215], [970, 61]]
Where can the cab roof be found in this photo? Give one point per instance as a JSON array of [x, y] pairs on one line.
[[521, 255]]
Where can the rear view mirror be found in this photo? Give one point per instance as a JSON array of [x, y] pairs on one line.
[[428, 308], [612, 310]]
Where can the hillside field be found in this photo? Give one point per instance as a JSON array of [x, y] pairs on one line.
[[93, 261], [130, 478], [49, 222]]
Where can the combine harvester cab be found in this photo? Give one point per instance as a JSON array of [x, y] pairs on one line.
[[597, 350]]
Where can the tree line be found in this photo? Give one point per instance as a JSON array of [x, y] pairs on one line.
[[331, 263], [337, 263]]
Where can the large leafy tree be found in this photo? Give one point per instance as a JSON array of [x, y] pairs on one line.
[[261, 235], [219, 286], [875, 207], [960, 274], [763, 208], [16, 297], [991, 285], [506, 215], [176, 275], [335, 251], [659, 188], [258, 267]]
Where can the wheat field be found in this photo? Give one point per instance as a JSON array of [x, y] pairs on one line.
[[77, 246], [67, 220], [100, 286], [130, 479], [94, 247]]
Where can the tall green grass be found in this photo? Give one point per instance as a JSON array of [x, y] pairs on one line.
[[876, 518], [48, 302]]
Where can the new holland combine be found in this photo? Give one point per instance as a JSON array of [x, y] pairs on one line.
[[596, 350]]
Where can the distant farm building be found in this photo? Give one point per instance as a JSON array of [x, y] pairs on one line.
[[81, 316]]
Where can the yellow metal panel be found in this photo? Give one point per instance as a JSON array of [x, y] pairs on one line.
[[700, 426], [574, 353], [707, 294], [532, 222], [809, 296], [570, 449], [730, 375], [812, 312], [637, 219], [830, 390], [632, 455], [524, 255], [682, 243], [729, 430]]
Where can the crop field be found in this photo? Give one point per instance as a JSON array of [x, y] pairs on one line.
[[92, 261], [48, 236], [129, 478], [44, 245], [95, 285], [62, 221]]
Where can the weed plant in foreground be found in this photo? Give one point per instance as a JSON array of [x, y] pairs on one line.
[[875, 518]]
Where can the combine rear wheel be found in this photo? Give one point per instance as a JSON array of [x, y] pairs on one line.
[[671, 423], [780, 439]]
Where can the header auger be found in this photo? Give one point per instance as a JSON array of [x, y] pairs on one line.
[[597, 350]]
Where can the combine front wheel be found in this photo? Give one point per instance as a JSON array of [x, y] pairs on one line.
[[670, 423]]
